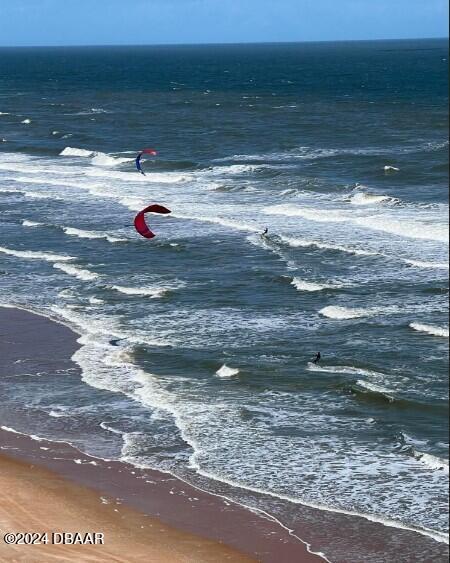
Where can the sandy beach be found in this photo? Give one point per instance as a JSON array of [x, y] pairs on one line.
[[38, 501], [144, 515]]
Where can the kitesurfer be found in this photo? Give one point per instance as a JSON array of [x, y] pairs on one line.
[[151, 152], [317, 358]]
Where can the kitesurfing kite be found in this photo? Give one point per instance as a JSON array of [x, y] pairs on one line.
[[140, 224], [151, 152]]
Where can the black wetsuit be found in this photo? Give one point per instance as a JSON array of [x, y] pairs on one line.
[[317, 358]]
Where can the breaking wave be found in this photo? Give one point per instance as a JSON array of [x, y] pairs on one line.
[[98, 158], [79, 273], [152, 292], [80, 233], [433, 462], [31, 255], [430, 265], [70, 151], [370, 199], [302, 285], [304, 243], [226, 371], [430, 329], [344, 313], [27, 223]]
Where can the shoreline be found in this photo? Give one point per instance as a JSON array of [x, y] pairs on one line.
[[189, 508], [150, 493]]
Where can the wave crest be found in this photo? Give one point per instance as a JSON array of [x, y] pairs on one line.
[[430, 329]]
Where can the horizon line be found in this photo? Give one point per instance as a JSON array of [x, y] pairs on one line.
[[225, 43]]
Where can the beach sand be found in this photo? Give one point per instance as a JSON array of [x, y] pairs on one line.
[[145, 515], [39, 501]]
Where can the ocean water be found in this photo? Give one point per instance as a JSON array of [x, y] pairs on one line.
[[196, 346]]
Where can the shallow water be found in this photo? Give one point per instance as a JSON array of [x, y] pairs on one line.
[[197, 345]]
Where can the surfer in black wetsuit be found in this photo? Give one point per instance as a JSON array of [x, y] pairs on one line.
[[317, 358], [266, 232]]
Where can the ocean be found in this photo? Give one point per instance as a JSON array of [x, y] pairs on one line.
[[196, 346]]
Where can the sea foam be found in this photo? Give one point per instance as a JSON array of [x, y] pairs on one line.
[[80, 233], [344, 313], [31, 255], [302, 285], [430, 329], [226, 371], [84, 275], [152, 292]]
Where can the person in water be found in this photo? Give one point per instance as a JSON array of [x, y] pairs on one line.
[[266, 232], [317, 358]]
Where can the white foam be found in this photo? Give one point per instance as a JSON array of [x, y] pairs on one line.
[[430, 329], [58, 414], [27, 223], [79, 273], [226, 371], [375, 388], [346, 370], [430, 265], [31, 255], [232, 224], [434, 462], [362, 198], [96, 301], [152, 292], [302, 285], [101, 159], [304, 243], [70, 151], [26, 121], [406, 228], [80, 233], [343, 313], [426, 230], [318, 215], [391, 169]]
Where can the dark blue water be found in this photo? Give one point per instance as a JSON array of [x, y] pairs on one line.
[[341, 151]]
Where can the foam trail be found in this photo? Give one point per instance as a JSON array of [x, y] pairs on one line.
[[79, 273], [430, 329], [346, 370], [375, 388], [31, 255]]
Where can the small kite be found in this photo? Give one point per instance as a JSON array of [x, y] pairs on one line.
[[140, 224], [151, 152]]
